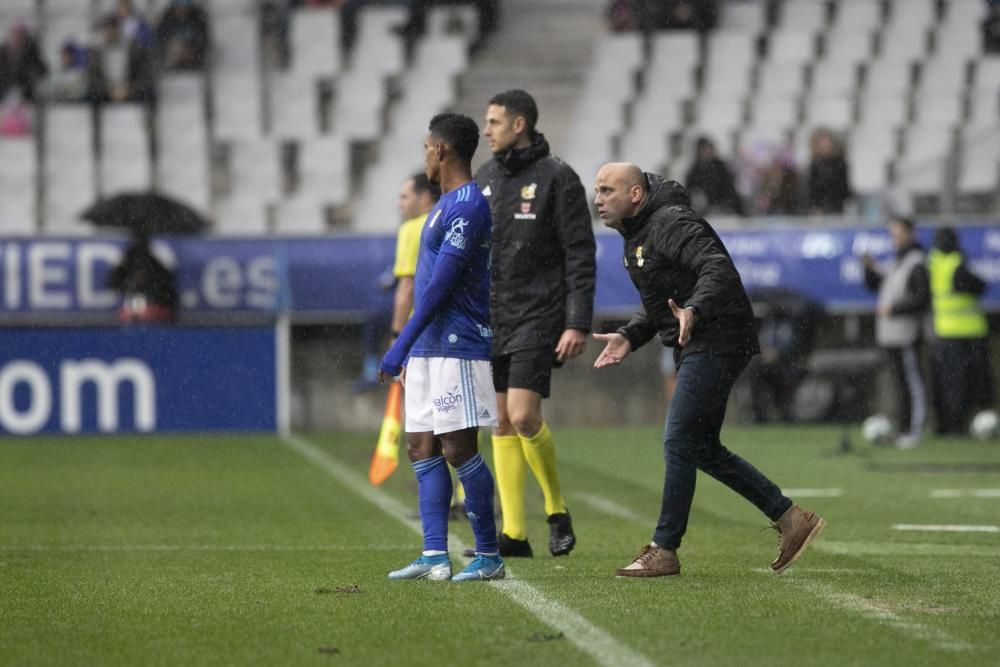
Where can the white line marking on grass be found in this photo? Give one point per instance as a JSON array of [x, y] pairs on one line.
[[905, 549], [197, 547], [937, 637], [813, 493], [609, 507], [965, 493], [946, 528], [592, 640]]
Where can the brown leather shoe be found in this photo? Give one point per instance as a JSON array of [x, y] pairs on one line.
[[652, 561], [796, 529]]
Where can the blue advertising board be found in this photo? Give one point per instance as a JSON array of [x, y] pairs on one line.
[[345, 278], [138, 380]]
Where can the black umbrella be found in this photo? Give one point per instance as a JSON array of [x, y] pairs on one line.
[[146, 214]]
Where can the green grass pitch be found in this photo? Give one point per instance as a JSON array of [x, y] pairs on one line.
[[248, 550]]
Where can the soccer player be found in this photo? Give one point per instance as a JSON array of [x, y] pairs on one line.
[[417, 197], [449, 392], [690, 293], [542, 303]]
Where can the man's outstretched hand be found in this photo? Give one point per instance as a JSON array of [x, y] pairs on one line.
[[616, 348], [685, 317]]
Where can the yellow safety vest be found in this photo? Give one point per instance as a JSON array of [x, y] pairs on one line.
[[956, 314]]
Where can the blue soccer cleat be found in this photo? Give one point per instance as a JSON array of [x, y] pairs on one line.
[[482, 568], [435, 568]]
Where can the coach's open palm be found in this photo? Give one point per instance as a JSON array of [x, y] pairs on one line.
[[615, 350]]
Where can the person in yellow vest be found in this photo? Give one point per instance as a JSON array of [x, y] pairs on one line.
[[960, 358]]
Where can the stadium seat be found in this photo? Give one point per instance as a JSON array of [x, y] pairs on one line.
[[766, 111], [887, 77], [293, 101], [70, 173], [791, 46], [869, 151], [720, 119], [782, 80], [300, 216], [255, 169], [125, 155], [921, 166], [833, 112], [324, 169], [984, 110], [930, 107], [237, 106], [743, 15], [240, 215], [753, 135], [979, 168], [844, 45], [314, 40], [802, 16], [834, 78], [856, 15], [903, 41], [18, 187], [886, 111]]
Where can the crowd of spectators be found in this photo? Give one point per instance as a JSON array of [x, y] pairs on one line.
[[765, 179], [654, 15], [120, 63]]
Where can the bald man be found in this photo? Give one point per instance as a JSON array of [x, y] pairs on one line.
[[693, 297]]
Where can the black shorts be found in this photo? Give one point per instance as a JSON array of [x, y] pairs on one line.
[[525, 369]]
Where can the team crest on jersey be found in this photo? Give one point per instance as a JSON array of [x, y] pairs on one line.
[[435, 218], [528, 191], [639, 261], [526, 207], [456, 235]]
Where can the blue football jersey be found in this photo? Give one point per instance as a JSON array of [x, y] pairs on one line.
[[459, 225]]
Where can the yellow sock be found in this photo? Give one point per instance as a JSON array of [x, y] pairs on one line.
[[540, 451], [509, 470], [458, 494]]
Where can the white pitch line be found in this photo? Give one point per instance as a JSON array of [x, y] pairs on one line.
[[610, 507], [596, 642], [937, 637], [813, 493], [911, 549], [965, 493], [195, 547], [946, 528]]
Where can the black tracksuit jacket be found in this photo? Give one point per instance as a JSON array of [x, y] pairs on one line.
[[543, 266], [673, 253]]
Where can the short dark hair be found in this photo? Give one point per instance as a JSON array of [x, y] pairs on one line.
[[518, 103], [458, 131], [422, 184], [946, 239], [904, 221]]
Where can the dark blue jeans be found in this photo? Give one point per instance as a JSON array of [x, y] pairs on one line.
[[691, 443]]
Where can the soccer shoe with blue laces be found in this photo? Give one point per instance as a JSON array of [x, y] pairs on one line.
[[482, 568], [435, 568]]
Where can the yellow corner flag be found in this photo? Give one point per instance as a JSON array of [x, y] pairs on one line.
[[386, 456]]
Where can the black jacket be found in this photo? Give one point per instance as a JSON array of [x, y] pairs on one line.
[[673, 253], [543, 248]]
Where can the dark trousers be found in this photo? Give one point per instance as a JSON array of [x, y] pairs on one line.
[[911, 394], [691, 443], [962, 380]]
